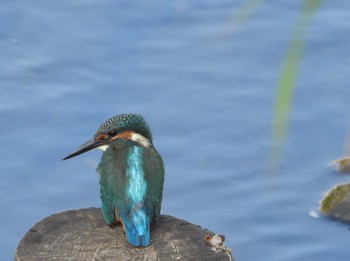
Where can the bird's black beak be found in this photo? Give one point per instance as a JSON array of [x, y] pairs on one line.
[[89, 145]]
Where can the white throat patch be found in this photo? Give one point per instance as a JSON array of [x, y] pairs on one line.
[[103, 147], [140, 139]]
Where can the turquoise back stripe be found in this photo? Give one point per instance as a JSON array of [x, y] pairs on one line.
[[137, 189]]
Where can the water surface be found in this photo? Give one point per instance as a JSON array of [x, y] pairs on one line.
[[205, 75]]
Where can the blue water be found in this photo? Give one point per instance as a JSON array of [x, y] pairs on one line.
[[207, 83]]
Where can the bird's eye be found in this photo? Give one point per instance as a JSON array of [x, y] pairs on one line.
[[112, 133]]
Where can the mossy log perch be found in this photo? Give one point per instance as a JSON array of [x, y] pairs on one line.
[[83, 235]]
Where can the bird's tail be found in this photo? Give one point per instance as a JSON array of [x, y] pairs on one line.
[[137, 229]]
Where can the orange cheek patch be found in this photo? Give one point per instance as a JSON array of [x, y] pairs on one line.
[[124, 135], [101, 137]]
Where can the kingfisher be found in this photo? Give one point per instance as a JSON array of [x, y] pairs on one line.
[[131, 175]]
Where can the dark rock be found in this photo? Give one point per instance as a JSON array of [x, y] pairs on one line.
[[83, 235]]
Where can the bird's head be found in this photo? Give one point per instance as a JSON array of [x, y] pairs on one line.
[[123, 126]]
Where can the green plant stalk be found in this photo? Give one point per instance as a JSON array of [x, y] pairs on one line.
[[287, 81]]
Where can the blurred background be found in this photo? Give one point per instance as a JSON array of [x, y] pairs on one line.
[[248, 101]]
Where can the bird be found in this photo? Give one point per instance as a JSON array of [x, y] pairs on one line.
[[131, 175]]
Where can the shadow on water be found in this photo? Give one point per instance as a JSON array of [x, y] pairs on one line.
[[286, 84]]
